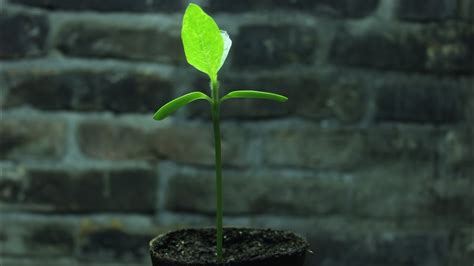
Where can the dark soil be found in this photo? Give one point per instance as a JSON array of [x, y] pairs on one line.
[[242, 246]]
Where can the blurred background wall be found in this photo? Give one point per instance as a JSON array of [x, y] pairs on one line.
[[371, 159]]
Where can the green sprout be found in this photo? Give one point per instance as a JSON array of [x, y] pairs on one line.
[[206, 48]]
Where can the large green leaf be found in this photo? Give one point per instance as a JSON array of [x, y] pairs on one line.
[[202, 41], [255, 95], [175, 104]]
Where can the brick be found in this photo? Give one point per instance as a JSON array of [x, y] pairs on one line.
[[386, 248], [452, 197], [386, 51], [347, 8], [191, 144], [450, 48], [106, 5], [33, 236], [418, 100], [401, 142], [141, 196], [63, 190], [11, 183], [444, 48], [86, 90], [452, 189], [56, 237], [111, 41], [469, 112], [457, 147], [348, 148], [26, 35], [273, 46], [317, 97], [387, 190], [460, 252], [466, 9], [32, 139], [105, 141], [332, 98], [256, 195], [119, 239], [313, 147], [432, 10], [393, 190], [56, 261], [114, 245], [339, 8]]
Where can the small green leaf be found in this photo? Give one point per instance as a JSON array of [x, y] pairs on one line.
[[202, 41], [175, 104], [255, 95]]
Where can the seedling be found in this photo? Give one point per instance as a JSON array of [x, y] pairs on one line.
[[206, 48]]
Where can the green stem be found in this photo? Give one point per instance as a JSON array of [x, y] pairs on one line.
[[217, 145]]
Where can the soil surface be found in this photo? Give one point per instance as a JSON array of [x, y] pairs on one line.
[[198, 246]]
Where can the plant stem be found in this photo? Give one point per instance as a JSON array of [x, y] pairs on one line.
[[217, 144]]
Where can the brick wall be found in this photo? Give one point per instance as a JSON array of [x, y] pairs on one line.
[[371, 159]]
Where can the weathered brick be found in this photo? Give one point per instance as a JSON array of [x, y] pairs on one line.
[[192, 144], [396, 143], [340, 8], [54, 237], [32, 236], [120, 240], [26, 35], [469, 110], [273, 46], [115, 245], [333, 97], [452, 189], [132, 190], [445, 48], [346, 8], [11, 183], [418, 100], [111, 41], [457, 148], [107, 5], [86, 90], [348, 148], [466, 9], [65, 190], [244, 195], [431, 10], [319, 97], [450, 48], [113, 142], [389, 248], [313, 147], [461, 252], [29, 138], [393, 190], [386, 51], [452, 197]]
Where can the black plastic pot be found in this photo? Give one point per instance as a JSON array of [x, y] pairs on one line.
[[242, 247]]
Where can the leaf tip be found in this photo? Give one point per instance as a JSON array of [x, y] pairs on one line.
[[157, 117]]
